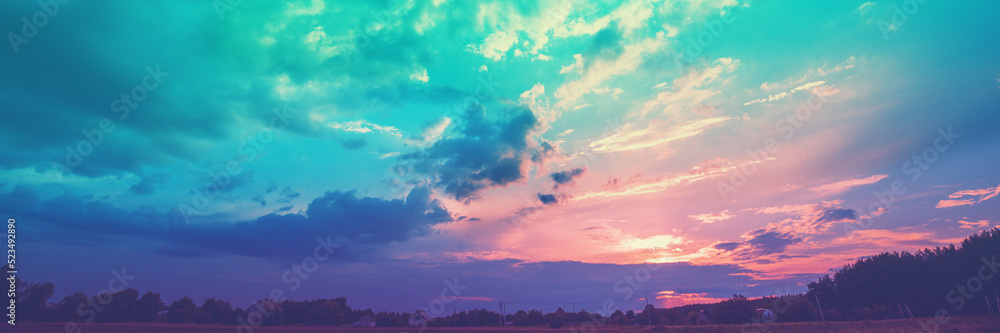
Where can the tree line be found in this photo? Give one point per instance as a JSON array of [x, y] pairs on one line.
[[891, 285], [955, 281]]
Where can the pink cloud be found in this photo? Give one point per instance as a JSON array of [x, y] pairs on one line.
[[709, 218], [671, 298], [705, 170], [974, 224], [969, 197], [844, 185]]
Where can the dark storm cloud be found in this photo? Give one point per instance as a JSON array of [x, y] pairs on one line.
[[568, 176], [483, 153], [360, 224]]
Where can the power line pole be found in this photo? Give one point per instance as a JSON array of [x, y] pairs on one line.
[[648, 314], [820, 308], [501, 314], [683, 314]]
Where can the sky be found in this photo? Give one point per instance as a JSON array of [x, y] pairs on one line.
[[409, 154]]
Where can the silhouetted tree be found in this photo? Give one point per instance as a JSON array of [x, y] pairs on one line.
[[181, 311], [122, 307], [148, 306], [33, 300], [70, 304]]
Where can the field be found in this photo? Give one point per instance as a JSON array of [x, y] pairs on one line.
[[957, 324]]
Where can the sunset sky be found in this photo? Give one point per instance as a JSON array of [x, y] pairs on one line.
[[535, 153]]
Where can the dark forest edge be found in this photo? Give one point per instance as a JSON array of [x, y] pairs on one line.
[[934, 283]]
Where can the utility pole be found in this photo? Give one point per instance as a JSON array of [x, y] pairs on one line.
[[683, 320], [820, 308], [648, 314], [997, 297]]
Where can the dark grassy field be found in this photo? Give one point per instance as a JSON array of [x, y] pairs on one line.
[[957, 324]]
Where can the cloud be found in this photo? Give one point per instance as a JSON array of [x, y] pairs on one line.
[[364, 126], [709, 218], [673, 298], [864, 7], [548, 199], [844, 185], [149, 184], [981, 224], [726, 246], [653, 242], [777, 97], [420, 76], [594, 70], [361, 225], [567, 176], [629, 138], [837, 214], [432, 130], [482, 153], [495, 46], [759, 243], [692, 89], [353, 144], [808, 219], [637, 186], [969, 197]]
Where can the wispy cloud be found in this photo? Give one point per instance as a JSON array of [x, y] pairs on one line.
[[693, 88], [844, 185], [643, 186], [709, 218], [865, 6], [973, 224], [628, 138], [777, 97], [808, 219], [364, 126], [673, 298], [969, 197]]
